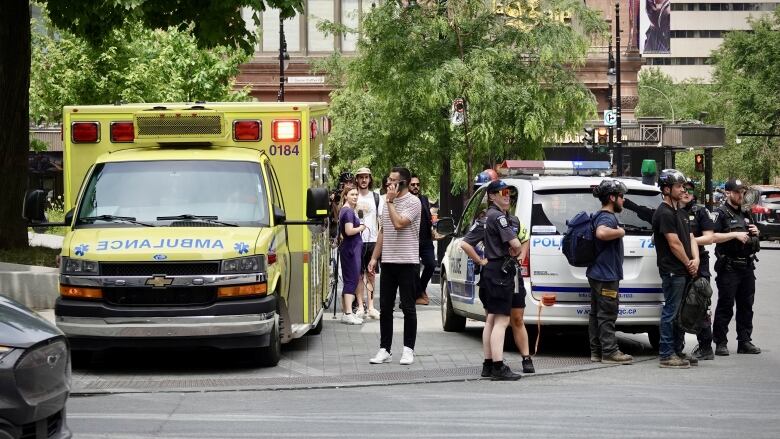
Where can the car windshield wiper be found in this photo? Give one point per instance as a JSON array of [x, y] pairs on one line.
[[114, 218], [205, 218]]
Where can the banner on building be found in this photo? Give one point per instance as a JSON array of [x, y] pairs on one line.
[[655, 32]]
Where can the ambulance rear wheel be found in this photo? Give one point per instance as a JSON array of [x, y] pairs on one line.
[[450, 321], [270, 355], [317, 329]]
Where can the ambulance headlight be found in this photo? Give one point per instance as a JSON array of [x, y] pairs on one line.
[[250, 264], [80, 267]]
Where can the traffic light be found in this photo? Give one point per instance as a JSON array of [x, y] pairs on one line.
[[588, 140], [603, 136], [698, 161]]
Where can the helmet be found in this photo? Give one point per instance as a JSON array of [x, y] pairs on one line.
[[670, 177], [609, 187], [346, 177], [485, 176]]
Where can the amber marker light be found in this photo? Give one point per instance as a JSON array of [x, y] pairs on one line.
[[242, 290]]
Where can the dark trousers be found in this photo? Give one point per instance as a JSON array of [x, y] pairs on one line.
[[672, 337], [428, 262], [603, 314], [734, 286], [401, 278]]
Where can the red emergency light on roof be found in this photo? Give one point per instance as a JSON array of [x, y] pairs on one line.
[[286, 130], [122, 132], [85, 132], [247, 130]]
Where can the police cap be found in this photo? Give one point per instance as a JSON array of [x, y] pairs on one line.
[[734, 185], [496, 186]]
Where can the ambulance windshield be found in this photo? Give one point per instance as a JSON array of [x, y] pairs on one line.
[[175, 193]]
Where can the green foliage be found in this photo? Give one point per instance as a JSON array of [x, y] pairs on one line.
[[133, 64], [747, 75], [518, 82], [39, 256], [212, 23], [55, 212], [38, 145]]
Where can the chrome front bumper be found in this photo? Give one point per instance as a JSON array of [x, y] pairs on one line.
[[167, 327]]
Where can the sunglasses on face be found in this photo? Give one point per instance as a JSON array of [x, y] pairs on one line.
[[505, 192]]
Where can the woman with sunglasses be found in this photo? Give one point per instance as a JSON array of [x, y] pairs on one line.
[[497, 280]]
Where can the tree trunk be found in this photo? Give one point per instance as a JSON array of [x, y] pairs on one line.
[[14, 119]]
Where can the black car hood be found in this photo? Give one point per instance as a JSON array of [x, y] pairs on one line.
[[22, 328]]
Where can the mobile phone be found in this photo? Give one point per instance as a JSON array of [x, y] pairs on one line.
[[401, 185]]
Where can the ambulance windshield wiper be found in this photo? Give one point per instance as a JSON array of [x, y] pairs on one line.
[[114, 218], [205, 218]]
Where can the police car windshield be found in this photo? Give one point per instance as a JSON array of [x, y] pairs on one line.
[[148, 191], [553, 207]]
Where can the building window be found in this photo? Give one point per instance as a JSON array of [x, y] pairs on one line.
[[316, 11], [292, 32]]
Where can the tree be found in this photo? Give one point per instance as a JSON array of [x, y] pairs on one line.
[[212, 23], [514, 69], [142, 65], [747, 74]]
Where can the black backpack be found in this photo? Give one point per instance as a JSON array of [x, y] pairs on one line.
[[579, 241], [693, 308]]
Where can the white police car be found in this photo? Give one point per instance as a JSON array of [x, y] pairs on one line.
[[549, 193]]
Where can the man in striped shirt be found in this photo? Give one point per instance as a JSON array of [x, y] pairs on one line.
[[398, 244]]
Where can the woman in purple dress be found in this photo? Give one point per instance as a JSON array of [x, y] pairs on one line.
[[350, 250]]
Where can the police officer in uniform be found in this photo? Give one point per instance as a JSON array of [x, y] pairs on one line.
[[471, 240], [702, 229], [736, 251], [497, 281]]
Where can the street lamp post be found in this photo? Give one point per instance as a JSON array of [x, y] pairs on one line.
[[284, 59], [611, 79], [665, 96], [619, 146]]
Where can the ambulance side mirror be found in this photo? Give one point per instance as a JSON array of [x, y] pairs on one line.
[[445, 226], [34, 206], [317, 203]]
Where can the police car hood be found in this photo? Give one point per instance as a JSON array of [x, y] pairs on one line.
[[166, 243]]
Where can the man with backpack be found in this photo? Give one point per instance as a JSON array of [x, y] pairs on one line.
[[368, 211], [605, 274], [677, 256]]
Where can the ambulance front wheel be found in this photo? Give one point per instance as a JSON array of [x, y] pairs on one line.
[[270, 355]]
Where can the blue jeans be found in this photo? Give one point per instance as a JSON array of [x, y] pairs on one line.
[[672, 337]]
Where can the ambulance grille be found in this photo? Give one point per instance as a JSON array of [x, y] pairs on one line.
[[155, 126], [168, 269], [160, 297]]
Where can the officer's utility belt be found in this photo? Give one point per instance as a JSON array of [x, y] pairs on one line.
[[736, 263]]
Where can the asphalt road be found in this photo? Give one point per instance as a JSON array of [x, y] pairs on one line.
[[735, 396]]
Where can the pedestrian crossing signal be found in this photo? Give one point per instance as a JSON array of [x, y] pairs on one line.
[[698, 161]]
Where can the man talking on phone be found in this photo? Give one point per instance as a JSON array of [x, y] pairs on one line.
[[398, 246]]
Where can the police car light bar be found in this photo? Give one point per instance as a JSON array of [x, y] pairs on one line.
[[553, 167]]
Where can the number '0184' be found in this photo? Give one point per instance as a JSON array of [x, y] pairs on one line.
[[285, 150]]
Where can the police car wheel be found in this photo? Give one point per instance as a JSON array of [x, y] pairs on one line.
[[654, 335], [450, 321]]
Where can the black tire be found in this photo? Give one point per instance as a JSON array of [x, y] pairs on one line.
[[317, 329], [450, 321], [654, 335], [270, 355]]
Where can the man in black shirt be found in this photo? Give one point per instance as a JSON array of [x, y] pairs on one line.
[[678, 260]]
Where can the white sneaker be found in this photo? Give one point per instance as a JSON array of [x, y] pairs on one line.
[[373, 313], [360, 314], [350, 319], [382, 357], [408, 356]]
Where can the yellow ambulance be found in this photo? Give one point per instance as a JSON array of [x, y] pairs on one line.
[[193, 224]]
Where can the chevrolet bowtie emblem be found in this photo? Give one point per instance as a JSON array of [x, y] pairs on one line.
[[159, 281]]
